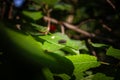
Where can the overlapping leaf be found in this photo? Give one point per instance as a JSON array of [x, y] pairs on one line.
[[29, 51], [101, 76], [61, 41], [35, 15], [113, 52], [82, 63], [98, 45]]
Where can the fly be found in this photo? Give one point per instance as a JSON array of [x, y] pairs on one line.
[[62, 41]]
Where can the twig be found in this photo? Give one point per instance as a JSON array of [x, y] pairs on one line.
[[105, 63], [48, 27], [111, 4], [75, 28], [62, 29], [48, 15], [51, 19], [70, 26], [85, 21], [10, 12], [105, 26], [91, 49], [100, 21]]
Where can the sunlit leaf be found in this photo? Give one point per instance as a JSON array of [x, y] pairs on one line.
[[101, 76], [35, 15], [60, 52], [76, 44], [71, 50], [98, 45], [60, 39], [113, 52], [90, 75], [47, 73], [54, 38], [64, 76], [51, 47], [29, 51], [39, 27], [82, 63], [63, 6]]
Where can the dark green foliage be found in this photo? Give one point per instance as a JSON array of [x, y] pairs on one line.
[[30, 50]]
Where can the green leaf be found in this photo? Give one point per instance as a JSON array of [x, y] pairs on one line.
[[62, 41], [48, 2], [39, 27], [51, 47], [62, 36], [113, 52], [100, 76], [54, 41], [60, 52], [66, 44], [54, 38], [64, 64], [63, 6], [26, 50], [98, 45], [88, 75], [76, 44], [47, 73], [64, 76], [82, 63], [71, 50], [33, 15]]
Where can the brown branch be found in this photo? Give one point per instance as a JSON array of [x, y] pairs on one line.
[[105, 63], [105, 26], [85, 21], [75, 28], [51, 19], [90, 47], [70, 26], [111, 4], [48, 11], [100, 21], [10, 12], [62, 29]]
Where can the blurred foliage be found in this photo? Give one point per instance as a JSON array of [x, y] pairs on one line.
[[33, 34]]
